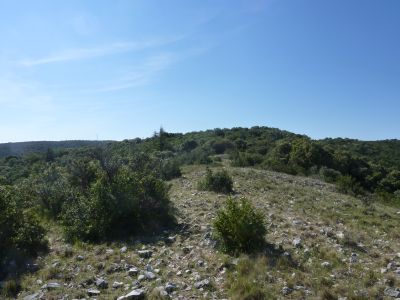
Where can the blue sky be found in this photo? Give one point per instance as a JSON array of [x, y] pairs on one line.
[[121, 69]]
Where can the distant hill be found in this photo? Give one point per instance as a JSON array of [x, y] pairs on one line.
[[384, 152], [22, 148]]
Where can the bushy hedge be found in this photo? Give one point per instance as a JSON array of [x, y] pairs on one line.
[[240, 227], [219, 182]]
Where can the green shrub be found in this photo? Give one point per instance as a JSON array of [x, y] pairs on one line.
[[52, 190], [20, 231], [188, 146], [245, 159], [240, 227], [391, 182], [170, 169], [329, 175], [196, 156], [126, 204], [221, 146], [219, 182], [348, 185]]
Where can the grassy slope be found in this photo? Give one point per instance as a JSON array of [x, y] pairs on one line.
[[331, 226]]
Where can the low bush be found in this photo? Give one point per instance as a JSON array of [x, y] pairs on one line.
[[170, 169], [240, 227], [219, 182]]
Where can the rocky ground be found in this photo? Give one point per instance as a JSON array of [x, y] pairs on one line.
[[322, 245]]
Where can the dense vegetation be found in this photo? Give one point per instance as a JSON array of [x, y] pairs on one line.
[[22, 148], [113, 190], [358, 167], [92, 194]]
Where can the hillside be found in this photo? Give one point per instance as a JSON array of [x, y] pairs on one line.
[[327, 245], [22, 148], [165, 218], [385, 151]]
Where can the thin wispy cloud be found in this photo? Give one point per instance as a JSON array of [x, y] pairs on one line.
[[95, 52], [144, 73], [139, 75]]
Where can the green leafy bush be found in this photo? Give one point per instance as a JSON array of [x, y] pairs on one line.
[[245, 159], [125, 204], [52, 190], [20, 231], [240, 227], [170, 169], [196, 156], [189, 145], [221, 146], [329, 175], [219, 182], [349, 185]]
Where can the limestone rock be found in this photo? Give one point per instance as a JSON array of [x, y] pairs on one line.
[[137, 294], [93, 292], [202, 284], [51, 286]]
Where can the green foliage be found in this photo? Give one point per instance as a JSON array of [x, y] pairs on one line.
[[278, 158], [219, 182], [197, 156], [161, 142], [240, 227], [125, 204], [347, 184], [189, 145], [52, 190], [245, 159], [305, 154], [170, 169], [221, 146], [20, 231], [23, 148], [329, 175], [391, 183]]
